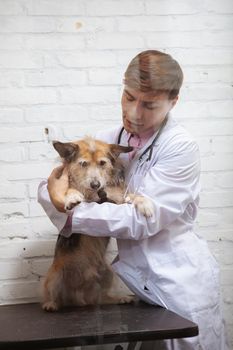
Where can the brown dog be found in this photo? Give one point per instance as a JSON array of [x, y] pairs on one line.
[[79, 274]]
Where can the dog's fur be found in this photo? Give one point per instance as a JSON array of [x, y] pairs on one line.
[[79, 274]]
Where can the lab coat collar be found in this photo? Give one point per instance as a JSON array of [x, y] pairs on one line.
[[170, 123]]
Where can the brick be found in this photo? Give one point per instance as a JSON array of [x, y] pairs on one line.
[[40, 267], [54, 77], [35, 209], [57, 113], [112, 8], [13, 269], [227, 295], [43, 228], [92, 94], [224, 6], [11, 115], [223, 144], [225, 180], [33, 188], [22, 134], [114, 41], [13, 191], [106, 113], [208, 180], [18, 209], [18, 290], [40, 151], [217, 199], [88, 59], [15, 226], [226, 276], [161, 7], [13, 154], [14, 41], [174, 39], [208, 218], [206, 92], [19, 60], [209, 128], [195, 22], [26, 24], [105, 76], [217, 163], [15, 79], [220, 38], [26, 171], [226, 253], [81, 131], [89, 25], [205, 145], [13, 96], [204, 56], [220, 108], [27, 248], [54, 8], [190, 109], [11, 7], [54, 42]]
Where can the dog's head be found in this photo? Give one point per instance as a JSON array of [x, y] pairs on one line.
[[92, 163]]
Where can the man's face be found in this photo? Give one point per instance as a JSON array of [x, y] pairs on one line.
[[142, 111]]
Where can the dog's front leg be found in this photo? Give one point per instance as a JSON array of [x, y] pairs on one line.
[[143, 204], [73, 197]]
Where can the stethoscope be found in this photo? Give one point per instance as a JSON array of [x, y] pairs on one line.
[[143, 159]]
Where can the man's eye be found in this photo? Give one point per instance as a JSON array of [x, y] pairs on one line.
[[151, 107], [128, 98]]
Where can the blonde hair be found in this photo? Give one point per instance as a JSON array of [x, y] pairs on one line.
[[154, 72]]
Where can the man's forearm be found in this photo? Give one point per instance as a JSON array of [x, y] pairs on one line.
[[58, 201], [58, 218]]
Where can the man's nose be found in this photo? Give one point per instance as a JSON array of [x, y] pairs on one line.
[[136, 112]]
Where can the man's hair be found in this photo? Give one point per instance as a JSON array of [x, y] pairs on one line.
[[154, 72]]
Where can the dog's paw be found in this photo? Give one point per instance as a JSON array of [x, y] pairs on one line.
[[127, 199], [50, 306], [73, 199], [127, 299], [144, 205]]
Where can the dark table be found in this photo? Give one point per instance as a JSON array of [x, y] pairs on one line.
[[27, 326]]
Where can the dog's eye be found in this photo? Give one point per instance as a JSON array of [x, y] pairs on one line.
[[102, 162], [84, 164]]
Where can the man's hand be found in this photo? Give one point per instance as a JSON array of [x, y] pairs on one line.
[[58, 183]]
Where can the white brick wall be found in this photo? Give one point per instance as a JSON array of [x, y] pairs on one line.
[[61, 68]]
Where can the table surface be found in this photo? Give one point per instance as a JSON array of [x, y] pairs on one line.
[[27, 326]]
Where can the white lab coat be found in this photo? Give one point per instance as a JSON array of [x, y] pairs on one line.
[[162, 253]]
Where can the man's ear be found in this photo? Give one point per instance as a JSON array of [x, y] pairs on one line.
[[116, 150], [66, 150], [175, 100]]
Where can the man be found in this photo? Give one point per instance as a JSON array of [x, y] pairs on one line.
[[161, 258]]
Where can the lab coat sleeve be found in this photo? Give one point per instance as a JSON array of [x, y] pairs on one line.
[[171, 184], [58, 219]]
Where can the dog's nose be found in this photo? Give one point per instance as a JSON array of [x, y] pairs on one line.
[[95, 184]]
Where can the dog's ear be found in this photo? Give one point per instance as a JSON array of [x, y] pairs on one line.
[[66, 150], [116, 150]]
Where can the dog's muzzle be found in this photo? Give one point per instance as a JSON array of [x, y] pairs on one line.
[[95, 184]]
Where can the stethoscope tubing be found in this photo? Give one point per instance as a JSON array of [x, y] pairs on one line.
[[140, 159]]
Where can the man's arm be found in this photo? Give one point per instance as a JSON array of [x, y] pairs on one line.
[[58, 218]]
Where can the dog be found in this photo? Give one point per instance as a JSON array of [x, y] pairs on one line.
[[79, 274]]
